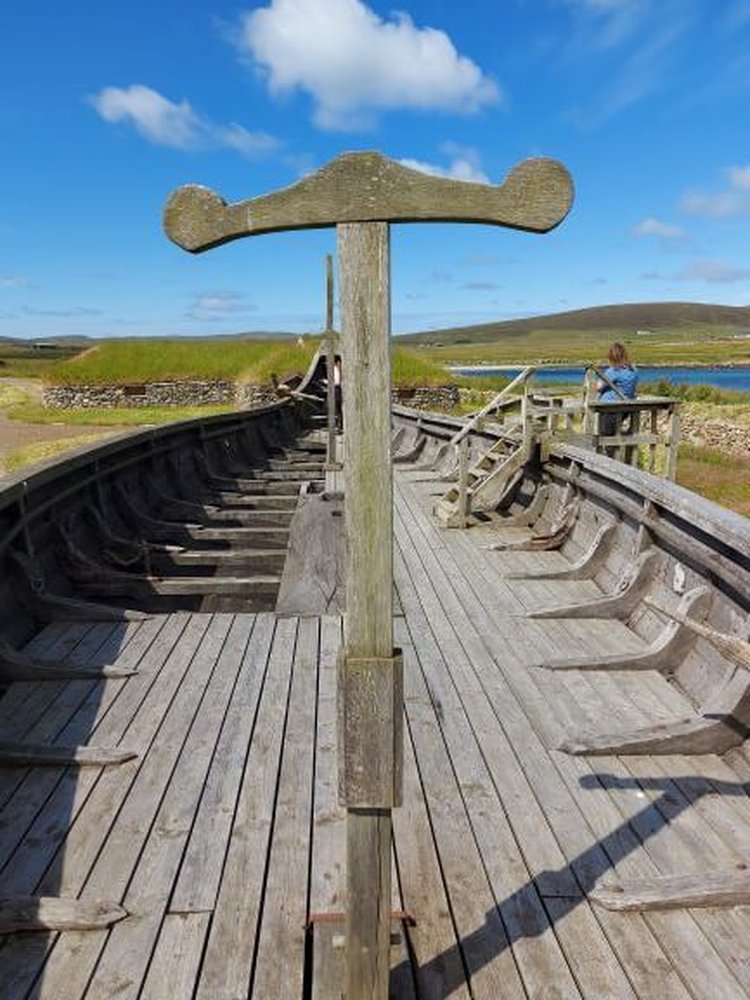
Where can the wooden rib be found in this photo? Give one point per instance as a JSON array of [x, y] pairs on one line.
[[15, 666], [531, 514], [666, 892], [584, 568], [666, 652], [54, 607], [368, 187], [36, 755], [51, 913], [413, 453], [724, 722], [557, 535], [730, 646], [618, 605]]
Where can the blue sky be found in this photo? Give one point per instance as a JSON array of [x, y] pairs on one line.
[[106, 107]]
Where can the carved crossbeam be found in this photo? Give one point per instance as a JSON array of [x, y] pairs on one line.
[[368, 187]]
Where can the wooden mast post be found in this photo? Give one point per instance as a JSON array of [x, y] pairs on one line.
[[330, 348], [360, 194]]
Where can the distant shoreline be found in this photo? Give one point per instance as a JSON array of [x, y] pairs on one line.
[[489, 366]]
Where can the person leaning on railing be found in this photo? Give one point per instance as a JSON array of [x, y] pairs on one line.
[[620, 375]]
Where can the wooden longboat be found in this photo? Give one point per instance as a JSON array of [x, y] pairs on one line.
[[575, 819]]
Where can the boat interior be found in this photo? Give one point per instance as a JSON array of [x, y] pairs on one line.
[[575, 820]]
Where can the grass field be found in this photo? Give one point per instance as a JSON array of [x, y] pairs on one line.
[[113, 416], [582, 346], [723, 478], [40, 451]]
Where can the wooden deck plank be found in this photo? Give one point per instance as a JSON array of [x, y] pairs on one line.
[[70, 719], [589, 860], [125, 956], [483, 941], [595, 968], [692, 834], [123, 834], [197, 884], [22, 958], [680, 933], [177, 956], [522, 912], [285, 904], [228, 958], [440, 969], [55, 642], [328, 874], [212, 837]]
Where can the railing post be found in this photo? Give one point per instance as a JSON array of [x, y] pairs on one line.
[[589, 415], [464, 500], [330, 348], [674, 431]]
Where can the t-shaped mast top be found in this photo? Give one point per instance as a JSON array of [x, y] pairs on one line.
[[368, 187]]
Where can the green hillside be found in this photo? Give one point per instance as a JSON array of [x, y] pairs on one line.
[[679, 318]]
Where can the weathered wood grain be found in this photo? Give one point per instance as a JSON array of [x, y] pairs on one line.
[[48, 913], [713, 888], [368, 187], [364, 268], [312, 582]]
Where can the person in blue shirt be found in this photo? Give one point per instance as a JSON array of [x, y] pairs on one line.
[[621, 373]]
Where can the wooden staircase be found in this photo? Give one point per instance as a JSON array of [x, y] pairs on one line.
[[487, 481]]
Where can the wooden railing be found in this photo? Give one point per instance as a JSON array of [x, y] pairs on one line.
[[645, 431]]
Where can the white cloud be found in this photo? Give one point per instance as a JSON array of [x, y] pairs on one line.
[[654, 227], [64, 313], [649, 38], [713, 271], [464, 165], [354, 64], [218, 304], [739, 178], [177, 125], [734, 200], [13, 281]]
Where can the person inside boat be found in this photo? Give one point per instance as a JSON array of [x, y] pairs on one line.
[[622, 375], [337, 391]]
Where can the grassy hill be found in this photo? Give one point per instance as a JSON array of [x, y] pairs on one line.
[[681, 318], [655, 333]]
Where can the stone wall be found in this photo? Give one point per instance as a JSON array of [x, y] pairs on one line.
[[200, 393], [193, 393], [431, 397], [723, 435]]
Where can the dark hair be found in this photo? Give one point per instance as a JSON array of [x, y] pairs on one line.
[[618, 356]]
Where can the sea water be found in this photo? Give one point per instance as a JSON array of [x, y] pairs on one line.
[[737, 378]]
